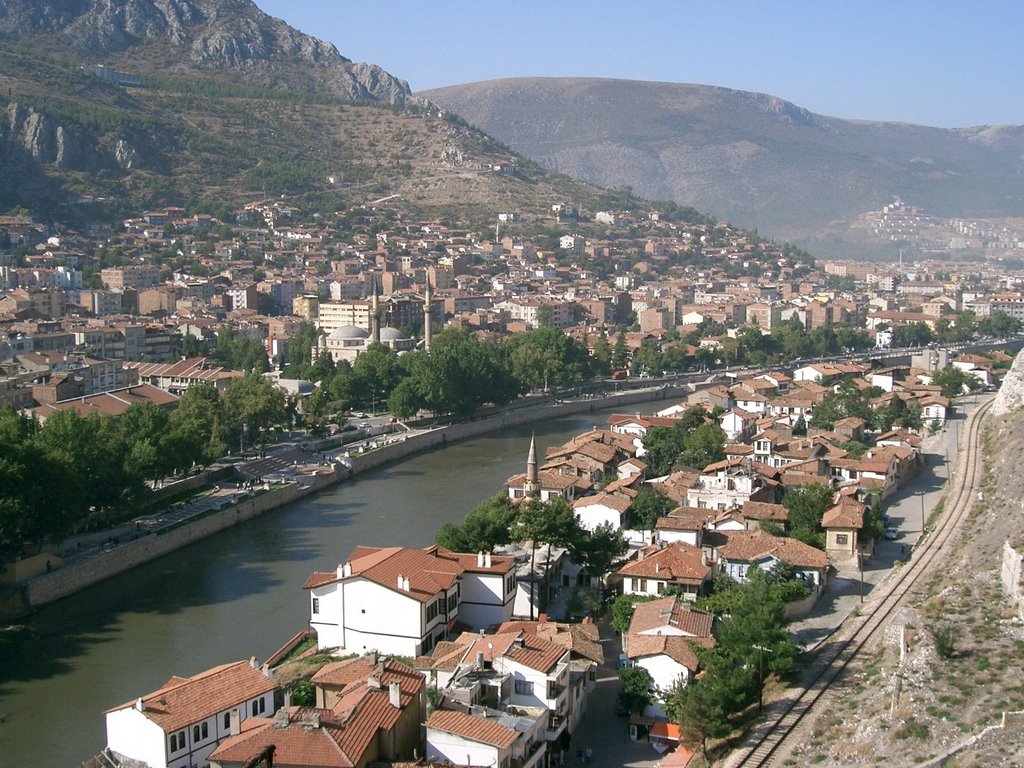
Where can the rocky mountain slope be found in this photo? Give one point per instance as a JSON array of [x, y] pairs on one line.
[[223, 104], [751, 158], [149, 37]]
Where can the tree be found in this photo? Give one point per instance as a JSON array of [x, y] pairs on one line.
[[704, 445], [806, 505], [648, 507], [637, 690], [547, 358], [601, 362], [954, 381], [254, 404], [597, 550], [552, 523], [662, 446], [620, 352], [484, 528]]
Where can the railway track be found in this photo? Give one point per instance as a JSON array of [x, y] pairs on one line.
[[785, 715]]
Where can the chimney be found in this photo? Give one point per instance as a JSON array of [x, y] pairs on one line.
[[347, 569], [657, 567], [395, 694], [140, 705], [704, 557], [373, 682], [235, 721], [373, 658], [479, 559], [287, 699], [405, 585], [280, 721], [252, 662], [401, 582], [487, 559], [341, 571], [479, 659]]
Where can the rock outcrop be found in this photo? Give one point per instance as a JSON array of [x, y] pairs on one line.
[[231, 36], [1011, 391]]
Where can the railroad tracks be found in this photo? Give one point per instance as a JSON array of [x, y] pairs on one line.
[[797, 706]]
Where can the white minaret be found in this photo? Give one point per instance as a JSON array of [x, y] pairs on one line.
[[427, 332], [532, 485], [375, 315]]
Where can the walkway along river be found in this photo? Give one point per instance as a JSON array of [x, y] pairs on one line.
[[235, 595]]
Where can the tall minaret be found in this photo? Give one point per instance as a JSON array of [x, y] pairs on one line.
[[375, 315], [532, 485], [427, 332]]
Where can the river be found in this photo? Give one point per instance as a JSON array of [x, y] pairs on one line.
[[234, 595]]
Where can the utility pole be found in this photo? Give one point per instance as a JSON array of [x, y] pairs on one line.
[[761, 651], [860, 567], [921, 493]]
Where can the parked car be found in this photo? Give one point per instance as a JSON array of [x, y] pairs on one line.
[[892, 534]]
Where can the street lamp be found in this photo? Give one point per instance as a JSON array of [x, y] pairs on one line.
[[860, 566], [761, 651]]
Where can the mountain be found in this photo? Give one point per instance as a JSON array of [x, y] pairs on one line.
[[181, 37], [212, 103], [750, 158]]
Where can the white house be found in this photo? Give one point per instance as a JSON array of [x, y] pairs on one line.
[[602, 508], [661, 639], [402, 601], [744, 549], [682, 566], [933, 408], [486, 737], [181, 723]]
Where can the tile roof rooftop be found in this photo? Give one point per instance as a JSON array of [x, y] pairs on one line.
[[479, 729], [182, 701]]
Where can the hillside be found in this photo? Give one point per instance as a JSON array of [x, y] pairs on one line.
[[226, 104], [750, 158]]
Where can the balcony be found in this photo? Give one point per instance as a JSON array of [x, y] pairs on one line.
[[556, 725]]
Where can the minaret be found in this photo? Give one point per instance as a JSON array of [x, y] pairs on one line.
[[532, 485], [375, 315], [427, 332]]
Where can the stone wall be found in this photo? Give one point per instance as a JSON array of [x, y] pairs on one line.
[[70, 579]]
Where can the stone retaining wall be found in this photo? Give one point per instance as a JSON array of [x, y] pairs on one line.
[[68, 580]]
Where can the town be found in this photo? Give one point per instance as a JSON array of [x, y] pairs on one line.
[[811, 391]]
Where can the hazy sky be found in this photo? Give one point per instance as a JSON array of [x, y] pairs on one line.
[[932, 62]]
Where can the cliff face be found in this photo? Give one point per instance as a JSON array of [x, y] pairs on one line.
[[1011, 392], [230, 36], [32, 136]]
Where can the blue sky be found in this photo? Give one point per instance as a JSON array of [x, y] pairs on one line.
[[940, 63]]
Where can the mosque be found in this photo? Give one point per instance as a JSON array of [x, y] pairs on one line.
[[350, 341]]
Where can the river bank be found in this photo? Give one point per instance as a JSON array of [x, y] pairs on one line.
[[341, 463]]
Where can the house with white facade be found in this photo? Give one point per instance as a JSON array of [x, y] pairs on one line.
[[727, 485], [601, 509], [401, 601], [678, 566], [742, 550], [181, 723], [483, 737], [661, 638]]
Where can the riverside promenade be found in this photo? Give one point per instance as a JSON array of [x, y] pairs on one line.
[[289, 471]]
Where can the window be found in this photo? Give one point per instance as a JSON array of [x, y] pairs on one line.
[[524, 687], [316, 605], [177, 741], [259, 706], [227, 721], [643, 585], [661, 587], [842, 538], [452, 602]]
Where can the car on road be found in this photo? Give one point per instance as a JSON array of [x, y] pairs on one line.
[[892, 534], [360, 415]]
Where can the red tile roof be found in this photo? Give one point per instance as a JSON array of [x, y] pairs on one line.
[[478, 729], [679, 563], [183, 701]]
